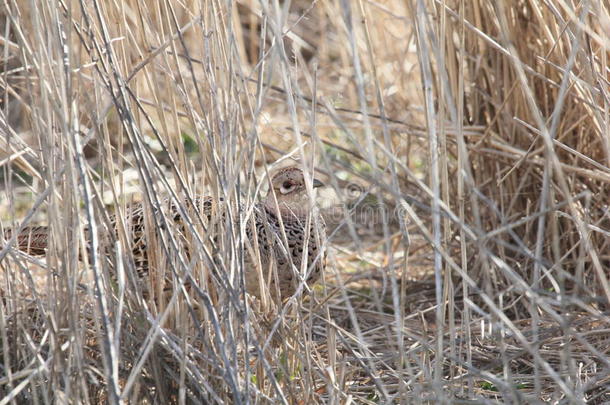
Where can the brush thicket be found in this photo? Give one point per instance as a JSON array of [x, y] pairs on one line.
[[467, 155]]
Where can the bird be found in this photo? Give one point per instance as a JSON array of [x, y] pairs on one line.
[[286, 230]]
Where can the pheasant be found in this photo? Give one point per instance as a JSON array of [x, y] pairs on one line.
[[285, 212]]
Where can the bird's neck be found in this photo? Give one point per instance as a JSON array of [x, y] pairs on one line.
[[288, 207]]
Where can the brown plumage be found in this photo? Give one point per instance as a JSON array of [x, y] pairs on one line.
[[302, 225], [33, 240]]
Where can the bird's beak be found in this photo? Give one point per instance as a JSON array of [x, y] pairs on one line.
[[317, 183]]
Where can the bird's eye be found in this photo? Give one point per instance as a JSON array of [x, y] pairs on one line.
[[287, 187]]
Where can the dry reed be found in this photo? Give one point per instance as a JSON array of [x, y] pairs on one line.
[[466, 146]]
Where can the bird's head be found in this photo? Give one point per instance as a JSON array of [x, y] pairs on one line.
[[290, 190]]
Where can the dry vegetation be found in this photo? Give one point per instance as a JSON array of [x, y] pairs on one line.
[[466, 146]]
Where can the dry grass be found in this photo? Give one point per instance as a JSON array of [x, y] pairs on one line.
[[467, 150]]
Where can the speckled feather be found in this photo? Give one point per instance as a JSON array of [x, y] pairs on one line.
[[269, 238]]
